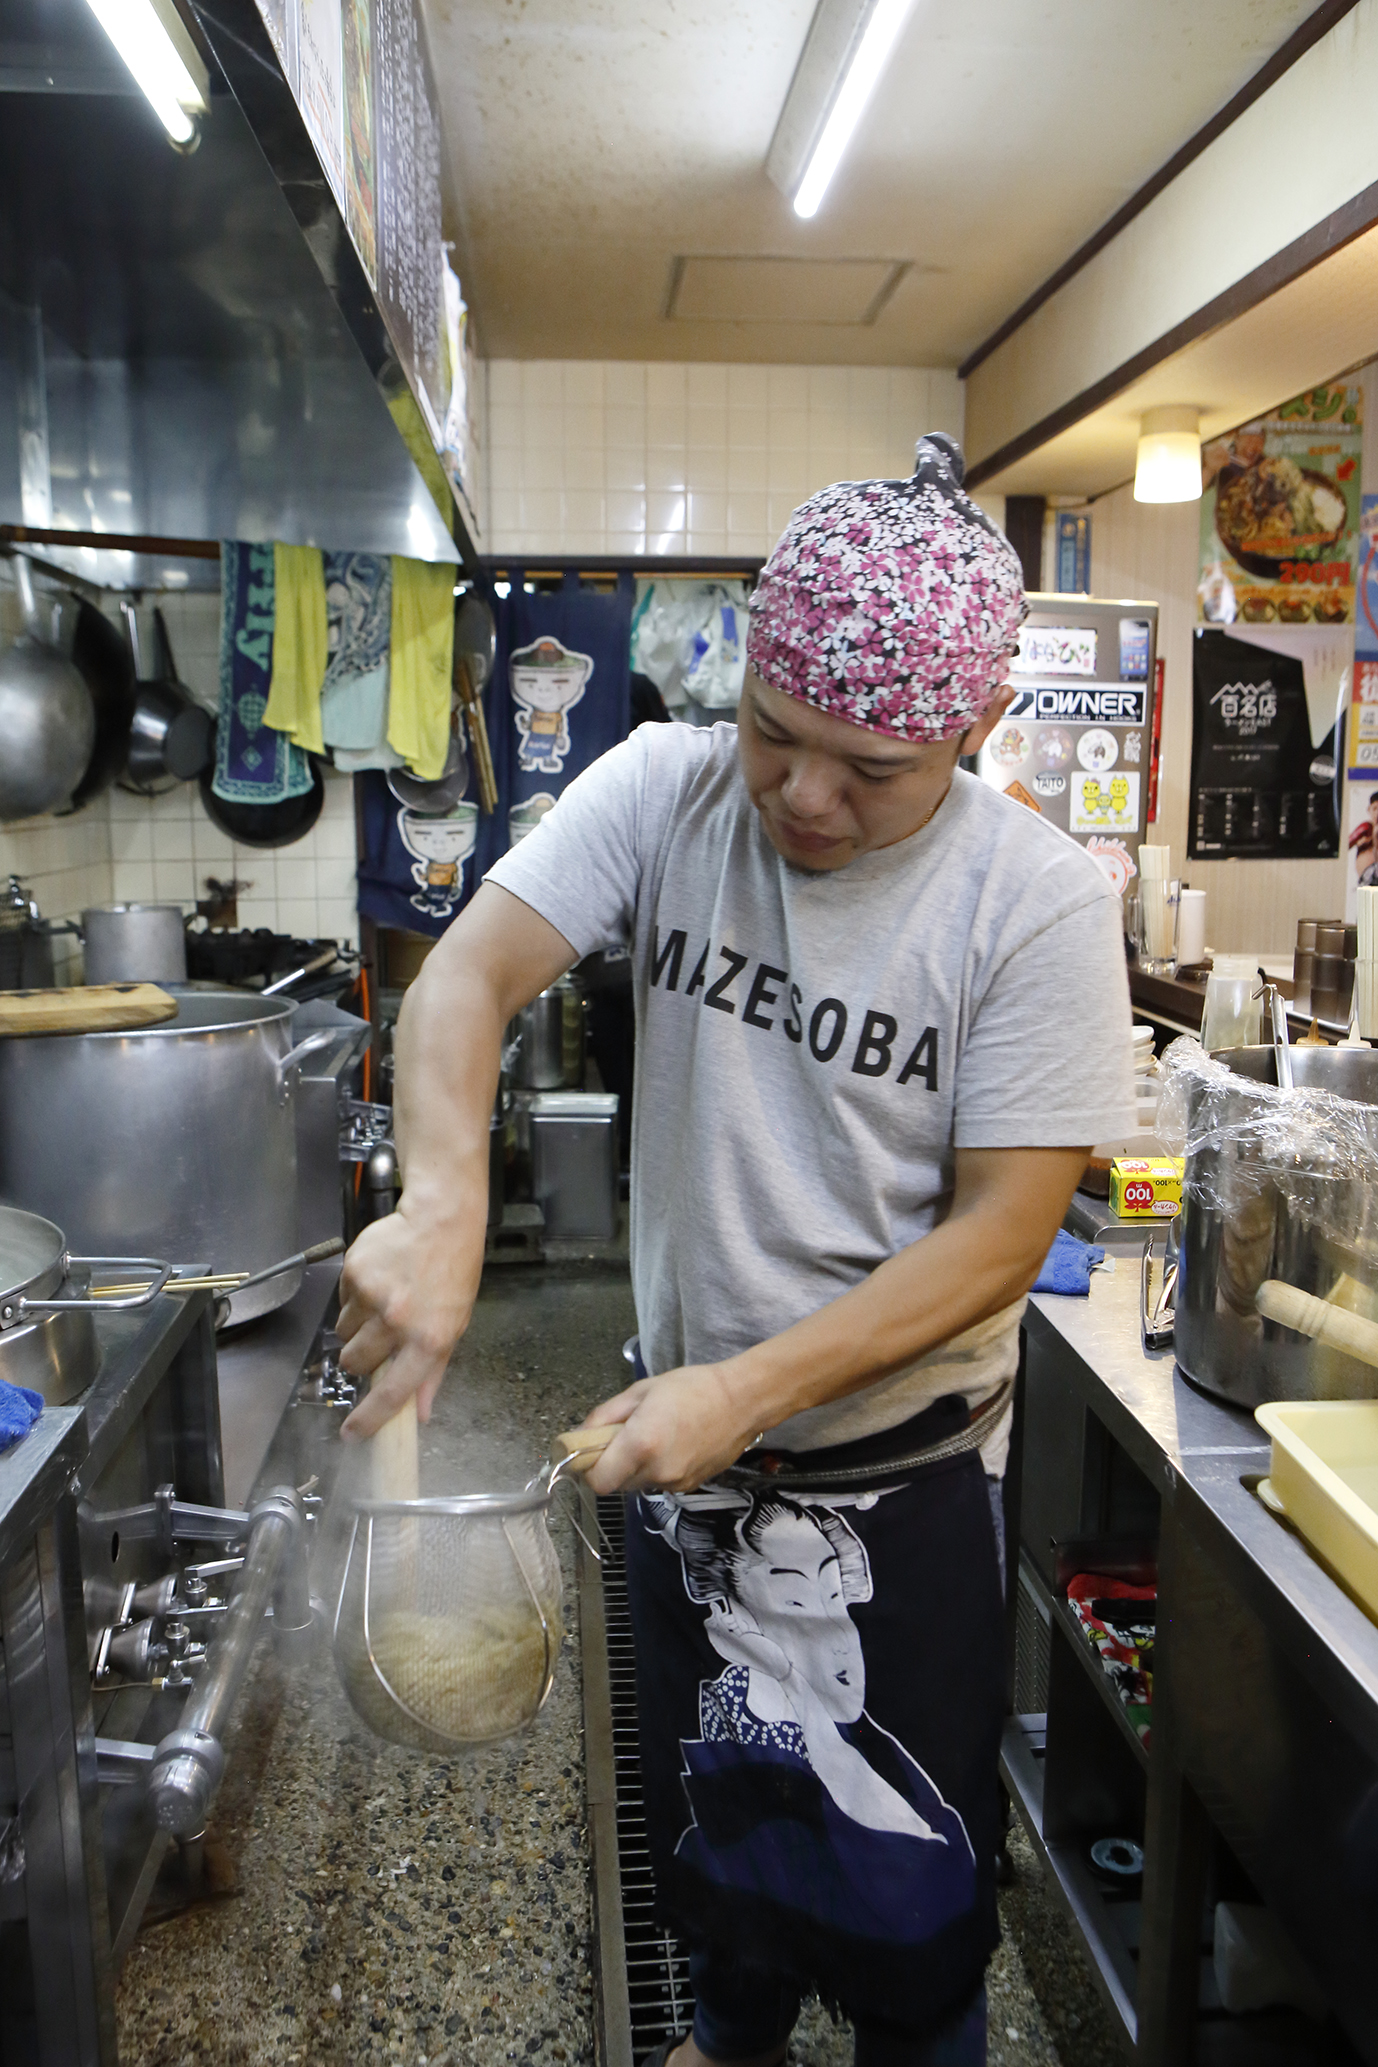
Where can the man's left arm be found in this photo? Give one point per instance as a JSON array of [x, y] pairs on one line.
[[681, 1427]]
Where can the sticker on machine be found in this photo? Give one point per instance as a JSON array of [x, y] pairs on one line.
[[1105, 803]]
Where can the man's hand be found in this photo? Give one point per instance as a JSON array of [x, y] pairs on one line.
[[410, 1280], [678, 1431], [406, 1294]]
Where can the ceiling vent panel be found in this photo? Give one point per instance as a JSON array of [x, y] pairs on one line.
[[848, 292]]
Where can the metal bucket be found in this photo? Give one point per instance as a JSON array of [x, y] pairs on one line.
[[1307, 1227]]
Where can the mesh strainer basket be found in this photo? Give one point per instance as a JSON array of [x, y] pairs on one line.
[[448, 1624]]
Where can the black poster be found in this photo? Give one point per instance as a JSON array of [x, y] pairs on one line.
[[1259, 789]]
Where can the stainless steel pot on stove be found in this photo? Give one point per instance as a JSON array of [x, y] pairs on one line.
[[135, 943], [1248, 1218], [546, 1041], [177, 1139]]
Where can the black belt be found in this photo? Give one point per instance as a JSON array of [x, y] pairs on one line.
[[890, 1453]]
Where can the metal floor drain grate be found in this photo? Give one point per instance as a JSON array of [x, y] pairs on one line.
[[646, 1996]]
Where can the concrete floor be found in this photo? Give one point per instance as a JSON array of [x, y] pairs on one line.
[[377, 1905]]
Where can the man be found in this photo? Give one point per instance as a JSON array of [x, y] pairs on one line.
[[882, 1012]]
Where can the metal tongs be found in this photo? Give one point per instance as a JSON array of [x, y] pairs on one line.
[[1156, 1323], [1277, 1013]]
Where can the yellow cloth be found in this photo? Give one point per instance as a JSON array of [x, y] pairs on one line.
[[300, 645], [422, 664]]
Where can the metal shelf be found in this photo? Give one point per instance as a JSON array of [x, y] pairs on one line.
[[1071, 1880]]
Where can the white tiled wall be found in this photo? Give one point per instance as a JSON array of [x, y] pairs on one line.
[[133, 849], [165, 847], [588, 456]]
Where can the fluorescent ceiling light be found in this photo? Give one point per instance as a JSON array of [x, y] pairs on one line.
[[848, 46], [153, 40], [1168, 462]]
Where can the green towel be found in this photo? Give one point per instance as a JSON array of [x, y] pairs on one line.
[[422, 664], [300, 646]]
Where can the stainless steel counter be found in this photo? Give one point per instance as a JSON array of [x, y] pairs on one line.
[[1198, 1452], [1263, 1767]]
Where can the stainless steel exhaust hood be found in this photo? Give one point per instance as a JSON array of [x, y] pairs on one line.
[[188, 345]]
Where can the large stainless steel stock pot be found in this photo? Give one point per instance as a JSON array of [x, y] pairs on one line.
[[172, 1139], [1261, 1204]]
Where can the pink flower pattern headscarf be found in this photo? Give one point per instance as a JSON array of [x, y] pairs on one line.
[[891, 604]]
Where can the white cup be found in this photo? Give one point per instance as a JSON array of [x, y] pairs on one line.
[[1191, 928]]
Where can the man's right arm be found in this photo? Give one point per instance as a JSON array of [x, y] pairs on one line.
[[411, 1279]]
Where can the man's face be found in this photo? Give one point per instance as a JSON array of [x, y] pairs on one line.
[[828, 791]]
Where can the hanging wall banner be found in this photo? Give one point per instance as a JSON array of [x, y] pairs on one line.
[[361, 74], [322, 85], [1280, 514], [1259, 789]]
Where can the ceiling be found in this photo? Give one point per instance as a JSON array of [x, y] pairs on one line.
[[599, 148]]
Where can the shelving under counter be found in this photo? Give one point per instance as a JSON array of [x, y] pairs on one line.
[[1261, 1782]]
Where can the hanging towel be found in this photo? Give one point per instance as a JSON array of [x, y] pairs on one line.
[[423, 646], [354, 698], [19, 1409], [254, 764], [300, 648]]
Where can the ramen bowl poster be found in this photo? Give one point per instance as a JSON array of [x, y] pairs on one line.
[[1280, 514]]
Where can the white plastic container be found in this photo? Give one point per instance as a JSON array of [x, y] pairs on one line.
[[1233, 1016]]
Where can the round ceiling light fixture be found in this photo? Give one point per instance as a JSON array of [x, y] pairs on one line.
[[1168, 465]]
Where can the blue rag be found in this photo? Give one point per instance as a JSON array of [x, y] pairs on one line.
[[254, 764], [1068, 1265], [19, 1409]]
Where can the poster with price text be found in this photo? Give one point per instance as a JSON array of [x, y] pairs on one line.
[[1280, 514]]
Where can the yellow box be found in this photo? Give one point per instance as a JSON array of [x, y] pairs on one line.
[[1325, 1477], [1146, 1187]]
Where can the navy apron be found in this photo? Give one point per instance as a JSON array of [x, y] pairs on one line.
[[820, 1681], [558, 697]]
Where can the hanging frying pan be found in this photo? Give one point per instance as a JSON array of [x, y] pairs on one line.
[[265, 825], [171, 735]]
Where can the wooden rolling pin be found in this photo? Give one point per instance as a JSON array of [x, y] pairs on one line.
[[471, 698], [85, 1008], [1345, 1331]]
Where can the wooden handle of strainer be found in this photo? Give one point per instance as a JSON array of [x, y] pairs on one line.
[[393, 1452], [584, 1445]]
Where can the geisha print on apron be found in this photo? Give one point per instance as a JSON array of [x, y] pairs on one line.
[[821, 1686]]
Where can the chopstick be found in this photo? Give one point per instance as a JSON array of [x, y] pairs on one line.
[[227, 1281]]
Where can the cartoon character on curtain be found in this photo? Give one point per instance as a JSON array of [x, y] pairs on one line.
[[441, 847], [849, 1828], [547, 681]]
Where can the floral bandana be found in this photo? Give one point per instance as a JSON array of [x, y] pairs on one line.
[[891, 604]]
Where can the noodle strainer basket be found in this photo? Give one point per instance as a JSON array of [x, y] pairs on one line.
[[448, 1624]]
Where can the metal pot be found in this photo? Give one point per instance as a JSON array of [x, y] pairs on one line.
[[135, 943], [172, 1139], [51, 1353], [1280, 1225], [547, 1041]]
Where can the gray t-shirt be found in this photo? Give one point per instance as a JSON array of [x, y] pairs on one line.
[[812, 1047]]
